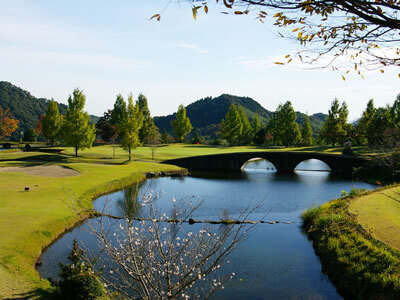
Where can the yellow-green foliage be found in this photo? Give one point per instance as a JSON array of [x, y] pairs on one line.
[[351, 256]]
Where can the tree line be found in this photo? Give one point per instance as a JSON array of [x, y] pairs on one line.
[[131, 125]]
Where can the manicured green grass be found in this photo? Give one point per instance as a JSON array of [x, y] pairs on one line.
[[165, 152], [362, 266], [379, 213], [29, 221]]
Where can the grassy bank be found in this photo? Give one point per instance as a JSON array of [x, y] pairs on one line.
[[360, 265], [29, 221]]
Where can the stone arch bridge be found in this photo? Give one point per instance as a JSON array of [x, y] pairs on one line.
[[284, 162]]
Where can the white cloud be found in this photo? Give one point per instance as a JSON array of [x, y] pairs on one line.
[[192, 47]]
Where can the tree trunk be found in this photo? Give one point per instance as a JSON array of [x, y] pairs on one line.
[[76, 151], [129, 153]]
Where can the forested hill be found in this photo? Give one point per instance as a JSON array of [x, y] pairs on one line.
[[206, 114], [25, 107]]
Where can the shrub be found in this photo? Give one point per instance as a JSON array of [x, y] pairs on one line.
[[78, 281], [310, 214]]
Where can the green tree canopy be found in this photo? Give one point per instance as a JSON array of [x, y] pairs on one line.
[[231, 126], [256, 125], [287, 130], [306, 132], [51, 123], [367, 122], [77, 131], [335, 127], [148, 130], [181, 126], [119, 111], [130, 126], [247, 131], [105, 129]]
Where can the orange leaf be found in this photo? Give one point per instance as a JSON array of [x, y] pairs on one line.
[[206, 9], [279, 63], [344, 79], [238, 12], [155, 16]]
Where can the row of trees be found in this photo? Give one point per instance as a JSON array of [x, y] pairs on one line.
[[282, 129], [375, 125], [130, 124]]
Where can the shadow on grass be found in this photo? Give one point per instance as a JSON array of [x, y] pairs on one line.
[[38, 293]]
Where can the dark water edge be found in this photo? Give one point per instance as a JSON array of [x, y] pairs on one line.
[[276, 261]]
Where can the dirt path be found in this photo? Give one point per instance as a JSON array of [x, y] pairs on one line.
[[48, 171]]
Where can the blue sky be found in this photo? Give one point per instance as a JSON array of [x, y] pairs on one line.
[[110, 47]]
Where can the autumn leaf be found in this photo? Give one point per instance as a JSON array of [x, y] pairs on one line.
[[155, 16], [194, 11], [279, 63], [382, 71], [344, 79], [206, 9], [287, 56]]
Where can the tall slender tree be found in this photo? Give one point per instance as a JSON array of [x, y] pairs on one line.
[[51, 123], [148, 130], [288, 132], [256, 125], [334, 128], [306, 132], [76, 128], [368, 122], [130, 126], [119, 111], [181, 126], [247, 132], [231, 126]]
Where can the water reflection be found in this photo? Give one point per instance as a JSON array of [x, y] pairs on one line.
[[276, 262]]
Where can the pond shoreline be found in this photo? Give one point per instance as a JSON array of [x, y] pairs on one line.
[[360, 266]]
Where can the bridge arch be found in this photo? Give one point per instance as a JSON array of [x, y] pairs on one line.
[[284, 161], [258, 163], [313, 164]]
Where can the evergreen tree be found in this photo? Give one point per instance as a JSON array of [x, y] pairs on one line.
[[231, 126], [367, 122], [165, 137], [181, 126], [306, 132], [395, 113], [51, 123], [287, 130], [130, 126], [256, 126], [247, 131], [148, 130], [105, 129], [119, 111], [77, 131], [335, 126], [30, 135]]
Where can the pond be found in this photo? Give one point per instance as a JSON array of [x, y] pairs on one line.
[[276, 261]]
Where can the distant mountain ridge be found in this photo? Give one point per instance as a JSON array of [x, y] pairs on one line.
[[25, 107], [206, 114]]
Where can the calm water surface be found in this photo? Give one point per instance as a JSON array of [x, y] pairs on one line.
[[276, 261]]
